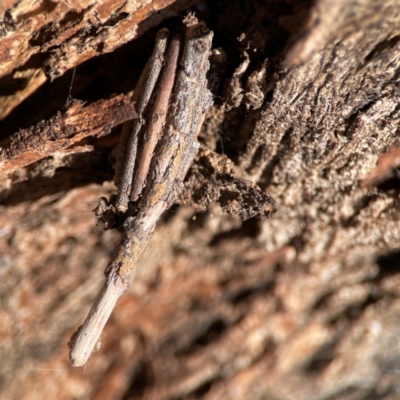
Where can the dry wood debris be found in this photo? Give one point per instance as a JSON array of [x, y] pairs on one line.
[[63, 131], [42, 40]]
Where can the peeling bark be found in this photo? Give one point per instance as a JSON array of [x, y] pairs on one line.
[[65, 34], [63, 131]]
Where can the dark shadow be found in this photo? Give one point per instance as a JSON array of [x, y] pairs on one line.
[[64, 179], [246, 294], [249, 228], [141, 380], [322, 358], [391, 185], [389, 264]]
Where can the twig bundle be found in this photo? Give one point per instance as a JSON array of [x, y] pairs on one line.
[[168, 147]]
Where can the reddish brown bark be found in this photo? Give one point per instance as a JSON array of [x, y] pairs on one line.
[[301, 306], [63, 131]]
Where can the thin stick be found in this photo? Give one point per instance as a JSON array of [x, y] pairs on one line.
[[127, 148], [157, 120], [168, 165]]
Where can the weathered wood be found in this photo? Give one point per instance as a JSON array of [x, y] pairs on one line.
[[63, 130], [304, 305], [67, 33]]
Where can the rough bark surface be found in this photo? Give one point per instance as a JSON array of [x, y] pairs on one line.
[[63, 131], [301, 306]]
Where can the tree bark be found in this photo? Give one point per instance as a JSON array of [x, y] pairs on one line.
[[304, 305]]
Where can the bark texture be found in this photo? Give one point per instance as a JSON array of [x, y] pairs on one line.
[[301, 306]]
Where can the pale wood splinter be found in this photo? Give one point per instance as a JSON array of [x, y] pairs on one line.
[[175, 151]]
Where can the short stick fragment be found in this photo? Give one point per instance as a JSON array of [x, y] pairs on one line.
[[86, 337]]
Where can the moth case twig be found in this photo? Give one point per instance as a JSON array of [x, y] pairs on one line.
[[173, 154], [127, 148], [157, 118]]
